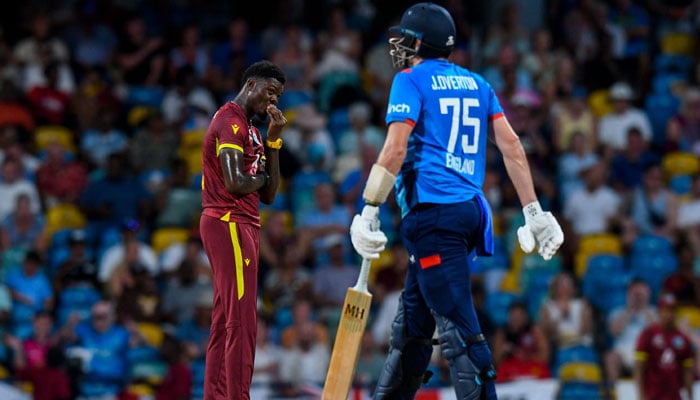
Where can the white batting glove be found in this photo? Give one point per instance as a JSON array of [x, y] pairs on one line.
[[366, 237], [541, 230]]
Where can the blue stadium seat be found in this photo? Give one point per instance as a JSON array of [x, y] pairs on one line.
[[660, 107], [680, 184], [651, 244], [579, 391], [673, 63], [605, 282], [653, 268], [571, 354], [537, 288], [535, 267]]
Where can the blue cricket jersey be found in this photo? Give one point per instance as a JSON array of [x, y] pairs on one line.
[[450, 108]]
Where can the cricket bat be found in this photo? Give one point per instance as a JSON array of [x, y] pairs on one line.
[[348, 338]]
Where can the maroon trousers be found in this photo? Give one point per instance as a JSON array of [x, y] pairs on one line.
[[233, 250]]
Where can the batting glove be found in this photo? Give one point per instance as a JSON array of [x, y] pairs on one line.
[[366, 237], [541, 230]]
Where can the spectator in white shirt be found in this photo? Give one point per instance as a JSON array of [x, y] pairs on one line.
[[590, 209], [12, 185], [614, 126]]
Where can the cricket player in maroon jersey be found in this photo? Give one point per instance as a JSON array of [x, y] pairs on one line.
[[239, 170], [664, 357]]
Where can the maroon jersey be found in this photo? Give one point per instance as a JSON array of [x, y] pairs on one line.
[[666, 352], [230, 128]]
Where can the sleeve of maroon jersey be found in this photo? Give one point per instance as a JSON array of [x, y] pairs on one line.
[[231, 133], [688, 352], [642, 347]]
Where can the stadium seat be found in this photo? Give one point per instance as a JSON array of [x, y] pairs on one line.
[[598, 103], [678, 43], [144, 96], [605, 282], [681, 184], [661, 106], [582, 370], [593, 245], [673, 63], [164, 237], [152, 333], [497, 304], [47, 134], [580, 381], [533, 264], [566, 359], [137, 115], [680, 163], [537, 288], [651, 244], [63, 216], [141, 390], [689, 315], [653, 268]]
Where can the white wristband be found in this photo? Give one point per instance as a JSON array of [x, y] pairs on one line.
[[532, 209], [379, 185]]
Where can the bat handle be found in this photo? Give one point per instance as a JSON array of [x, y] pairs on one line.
[[361, 285]]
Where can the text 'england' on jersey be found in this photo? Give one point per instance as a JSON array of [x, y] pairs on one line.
[[450, 108]]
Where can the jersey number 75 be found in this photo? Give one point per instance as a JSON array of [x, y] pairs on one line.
[[460, 117]]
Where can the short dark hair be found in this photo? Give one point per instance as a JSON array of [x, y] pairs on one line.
[[264, 69]]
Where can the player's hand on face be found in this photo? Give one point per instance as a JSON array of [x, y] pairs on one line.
[[277, 122], [541, 230], [366, 237]]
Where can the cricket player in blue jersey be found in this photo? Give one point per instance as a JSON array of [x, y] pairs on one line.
[[434, 154]]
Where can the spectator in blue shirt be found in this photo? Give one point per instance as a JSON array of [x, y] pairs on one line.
[[102, 347], [31, 292], [115, 198], [194, 332]]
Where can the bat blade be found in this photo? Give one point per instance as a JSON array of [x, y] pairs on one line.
[[347, 344]]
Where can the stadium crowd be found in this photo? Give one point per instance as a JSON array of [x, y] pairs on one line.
[[105, 291]]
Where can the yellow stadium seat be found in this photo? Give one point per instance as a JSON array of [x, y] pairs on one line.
[[164, 237], [598, 103], [595, 244], [690, 315], [678, 43], [63, 216], [45, 135], [152, 333], [141, 390], [4, 373], [385, 260], [511, 283], [137, 115], [193, 158], [579, 371], [680, 163], [192, 139]]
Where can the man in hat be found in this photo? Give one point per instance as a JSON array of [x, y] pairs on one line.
[[664, 357], [614, 126]]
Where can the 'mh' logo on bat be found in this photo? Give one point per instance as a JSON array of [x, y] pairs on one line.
[[354, 311], [353, 317]]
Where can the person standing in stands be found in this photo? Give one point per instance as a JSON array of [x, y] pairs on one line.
[[239, 170]]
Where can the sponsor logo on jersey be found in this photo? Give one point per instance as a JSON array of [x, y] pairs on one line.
[[402, 108]]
